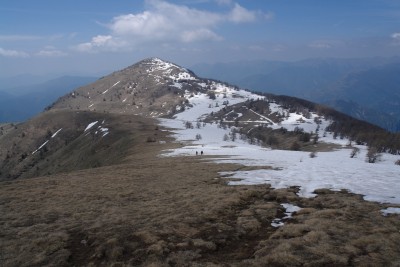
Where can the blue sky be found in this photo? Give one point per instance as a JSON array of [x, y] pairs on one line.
[[94, 37]]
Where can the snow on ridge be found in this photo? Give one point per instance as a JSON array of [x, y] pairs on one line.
[[261, 116], [167, 68], [40, 147], [54, 135], [45, 143], [104, 131], [90, 125], [334, 170], [111, 87]]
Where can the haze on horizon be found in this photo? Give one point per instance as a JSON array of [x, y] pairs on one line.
[[94, 37]]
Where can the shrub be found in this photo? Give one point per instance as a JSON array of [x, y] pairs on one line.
[[313, 154], [211, 95], [226, 137], [295, 146], [397, 162], [188, 125], [373, 155], [151, 139], [354, 152]]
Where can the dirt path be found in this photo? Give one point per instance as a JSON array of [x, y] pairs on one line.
[[160, 211]]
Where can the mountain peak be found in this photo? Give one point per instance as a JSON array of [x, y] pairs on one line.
[[155, 65], [152, 87]]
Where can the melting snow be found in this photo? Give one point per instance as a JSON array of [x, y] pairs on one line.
[[54, 135], [111, 87], [290, 209], [40, 147], [104, 131], [90, 125], [390, 210], [334, 170], [177, 85]]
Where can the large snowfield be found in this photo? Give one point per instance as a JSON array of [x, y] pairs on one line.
[[334, 170]]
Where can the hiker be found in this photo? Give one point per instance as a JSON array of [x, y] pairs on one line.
[[197, 153], [201, 152]]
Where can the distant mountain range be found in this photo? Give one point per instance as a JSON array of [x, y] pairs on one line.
[[20, 103], [367, 89]]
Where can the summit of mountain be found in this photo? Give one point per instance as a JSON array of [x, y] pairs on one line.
[[151, 87]]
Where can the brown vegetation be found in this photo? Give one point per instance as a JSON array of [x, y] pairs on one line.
[[161, 211]]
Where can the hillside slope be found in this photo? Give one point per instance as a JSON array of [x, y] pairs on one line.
[[62, 141], [178, 211], [349, 85]]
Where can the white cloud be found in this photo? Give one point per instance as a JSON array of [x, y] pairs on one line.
[[145, 25], [240, 14], [50, 51], [12, 53], [198, 35], [166, 22], [396, 36], [99, 43], [395, 39]]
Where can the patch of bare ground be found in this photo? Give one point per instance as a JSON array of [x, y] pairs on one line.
[[162, 211]]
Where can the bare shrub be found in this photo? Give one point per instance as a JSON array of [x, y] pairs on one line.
[[354, 152], [313, 154], [295, 146], [226, 137], [150, 139], [397, 162], [188, 125], [373, 155]]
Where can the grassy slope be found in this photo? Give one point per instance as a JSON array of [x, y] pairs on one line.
[[161, 211]]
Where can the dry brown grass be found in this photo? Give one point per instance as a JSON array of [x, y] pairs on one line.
[[157, 211]]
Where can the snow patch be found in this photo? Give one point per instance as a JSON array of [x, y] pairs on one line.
[[290, 209], [40, 147], [90, 125], [334, 170], [55, 134], [390, 210], [111, 87]]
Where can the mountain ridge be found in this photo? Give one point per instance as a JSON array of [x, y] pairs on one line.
[[321, 81], [153, 88]]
